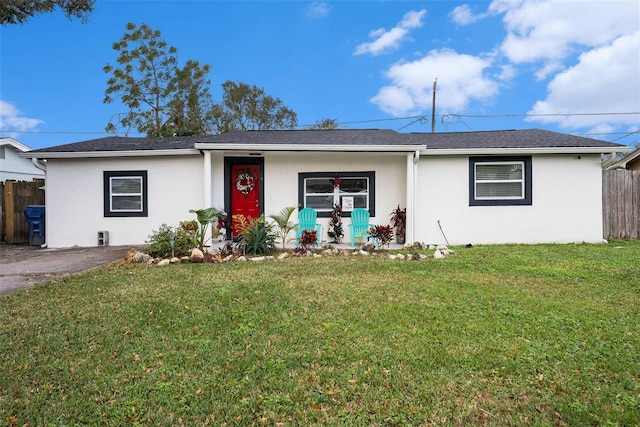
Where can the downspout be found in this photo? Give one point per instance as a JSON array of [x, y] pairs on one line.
[[39, 165], [416, 157], [43, 168]]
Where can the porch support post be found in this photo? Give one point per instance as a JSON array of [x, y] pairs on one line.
[[410, 196], [207, 179]]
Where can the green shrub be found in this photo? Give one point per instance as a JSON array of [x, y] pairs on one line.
[[257, 238], [159, 242]]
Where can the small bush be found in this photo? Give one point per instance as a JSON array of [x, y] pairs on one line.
[[307, 238], [159, 242], [257, 238], [226, 250], [382, 233]]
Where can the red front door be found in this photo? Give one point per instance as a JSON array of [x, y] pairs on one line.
[[245, 195]]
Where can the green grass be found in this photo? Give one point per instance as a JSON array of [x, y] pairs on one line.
[[496, 335]]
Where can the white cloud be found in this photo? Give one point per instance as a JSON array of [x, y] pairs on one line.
[[318, 9], [507, 73], [460, 80], [550, 30], [463, 15], [11, 120], [386, 41], [606, 79], [548, 69], [502, 6]]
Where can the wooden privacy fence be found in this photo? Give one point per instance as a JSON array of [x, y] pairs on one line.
[[621, 204], [14, 197]]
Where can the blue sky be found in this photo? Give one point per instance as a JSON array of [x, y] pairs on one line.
[[504, 64]]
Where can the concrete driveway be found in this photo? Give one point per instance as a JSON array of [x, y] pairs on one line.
[[25, 266]]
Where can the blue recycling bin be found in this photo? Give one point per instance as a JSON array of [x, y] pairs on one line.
[[34, 215]]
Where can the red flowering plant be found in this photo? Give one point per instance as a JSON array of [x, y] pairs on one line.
[[308, 238], [382, 233]]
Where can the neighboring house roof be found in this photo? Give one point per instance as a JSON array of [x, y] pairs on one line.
[[486, 142], [14, 166], [15, 144], [626, 161]]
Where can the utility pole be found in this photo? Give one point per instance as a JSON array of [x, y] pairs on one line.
[[433, 108]]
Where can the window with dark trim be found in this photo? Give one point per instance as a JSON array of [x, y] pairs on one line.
[[125, 193], [318, 190], [500, 181]]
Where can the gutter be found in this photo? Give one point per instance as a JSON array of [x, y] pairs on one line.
[[539, 150], [98, 154], [311, 147], [40, 165]]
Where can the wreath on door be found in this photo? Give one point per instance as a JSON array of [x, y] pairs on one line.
[[245, 181]]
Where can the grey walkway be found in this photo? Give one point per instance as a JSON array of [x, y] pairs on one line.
[[25, 266]]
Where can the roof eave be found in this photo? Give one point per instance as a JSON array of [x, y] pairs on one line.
[[622, 163], [524, 150], [8, 141], [311, 147], [98, 154]]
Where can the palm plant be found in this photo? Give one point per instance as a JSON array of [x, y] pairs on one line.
[[283, 224], [205, 217]]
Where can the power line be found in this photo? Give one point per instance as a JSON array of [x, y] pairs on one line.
[[418, 118], [624, 136], [542, 115], [482, 116]]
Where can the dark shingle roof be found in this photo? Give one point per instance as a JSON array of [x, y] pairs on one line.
[[528, 138], [315, 137], [121, 143]]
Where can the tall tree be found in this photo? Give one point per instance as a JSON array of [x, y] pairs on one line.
[[325, 124], [191, 108], [247, 107], [19, 11], [163, 99]]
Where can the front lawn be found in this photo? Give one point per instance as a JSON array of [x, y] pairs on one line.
[[495, 335]]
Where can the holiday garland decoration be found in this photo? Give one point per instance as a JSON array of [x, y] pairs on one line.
[[245, 181], [335, 224]]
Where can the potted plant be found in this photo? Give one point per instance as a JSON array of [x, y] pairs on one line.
[[399, 221]]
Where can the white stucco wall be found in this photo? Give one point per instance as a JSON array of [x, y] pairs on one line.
[[567, 196], [567, 204], [74, 199], [16, 168], [281, 180]]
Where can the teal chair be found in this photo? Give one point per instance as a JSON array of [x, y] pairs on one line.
[[360, 226], [307, 221]]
